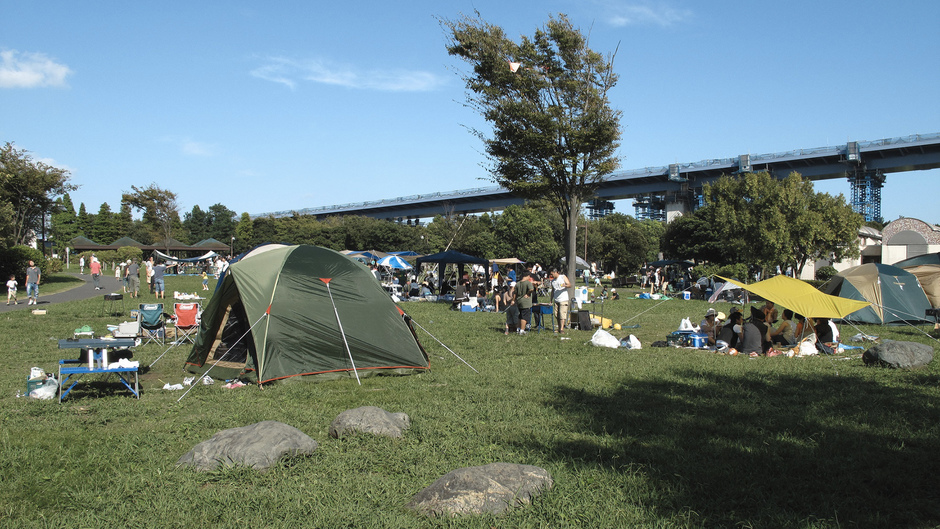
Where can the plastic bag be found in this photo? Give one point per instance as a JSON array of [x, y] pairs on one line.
[[603, 338], [631, 342], [47, 390], [686, 325]]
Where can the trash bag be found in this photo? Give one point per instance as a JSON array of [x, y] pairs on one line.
[[631, 342], [603, 338], [47, 390]]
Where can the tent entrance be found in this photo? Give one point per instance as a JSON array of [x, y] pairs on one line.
[[233, 347]]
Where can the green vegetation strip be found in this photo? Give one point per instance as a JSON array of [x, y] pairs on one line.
[[657, 437]]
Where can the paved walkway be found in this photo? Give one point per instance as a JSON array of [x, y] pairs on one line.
[[85, 291]]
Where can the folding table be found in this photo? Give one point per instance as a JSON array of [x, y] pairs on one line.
[[76, 369]]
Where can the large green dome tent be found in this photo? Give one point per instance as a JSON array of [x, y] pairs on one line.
[[271, 317], [895, 294]]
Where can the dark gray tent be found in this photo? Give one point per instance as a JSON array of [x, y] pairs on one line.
[[452, 257]]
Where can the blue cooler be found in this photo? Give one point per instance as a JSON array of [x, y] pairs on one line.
[[698, 339]]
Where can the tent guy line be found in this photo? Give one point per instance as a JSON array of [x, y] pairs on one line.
[[444, 346]]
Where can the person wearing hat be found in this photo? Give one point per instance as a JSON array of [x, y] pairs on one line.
[[709, 325]]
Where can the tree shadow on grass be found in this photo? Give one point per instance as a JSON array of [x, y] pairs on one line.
[[766, 450]]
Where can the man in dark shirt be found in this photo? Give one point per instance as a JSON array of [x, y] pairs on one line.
[[159, 287], [755, 340], [524, 292], [133, 279]]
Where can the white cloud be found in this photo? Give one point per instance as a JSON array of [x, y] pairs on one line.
[[30, 70], [646, 13], [290, 72], [195, 148], [190, 147]]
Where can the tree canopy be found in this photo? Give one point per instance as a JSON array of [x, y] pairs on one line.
[[764, 222], [554, 132], [28, 191], [160, 210]]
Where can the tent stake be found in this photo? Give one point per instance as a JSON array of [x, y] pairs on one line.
[[326, 281]]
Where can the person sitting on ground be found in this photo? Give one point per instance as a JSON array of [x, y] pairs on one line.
[[824, 332], [785, 333], [614, 294], [756, 336], [731, 331], [709, 325], [769, 311]]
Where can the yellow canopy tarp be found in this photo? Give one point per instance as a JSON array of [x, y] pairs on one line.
[[801, 297]]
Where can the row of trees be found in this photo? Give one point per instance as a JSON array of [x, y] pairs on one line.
[[160, 220], [764, 222], [533, 233]]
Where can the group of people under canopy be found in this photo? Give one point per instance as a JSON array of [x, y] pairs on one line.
[[765, 330], [808, 315]]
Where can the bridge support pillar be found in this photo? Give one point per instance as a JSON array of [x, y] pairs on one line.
[[866, 193], [676, 209]]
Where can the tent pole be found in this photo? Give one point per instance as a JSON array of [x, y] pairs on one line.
[[341, 331]]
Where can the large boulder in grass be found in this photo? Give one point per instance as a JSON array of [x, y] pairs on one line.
[[258, 446], [369, 419], [492, 488], [898, 355]]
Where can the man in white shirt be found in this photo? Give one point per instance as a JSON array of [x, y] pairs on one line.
[[560, 286]]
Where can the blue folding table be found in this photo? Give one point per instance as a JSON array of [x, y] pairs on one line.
[[76, 369]]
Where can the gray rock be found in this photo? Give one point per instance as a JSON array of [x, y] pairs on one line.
[[492, 488], [369, 419], [899, 355], [258, 446]]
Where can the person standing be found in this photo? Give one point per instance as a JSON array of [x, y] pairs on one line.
[[205, 280], [95, 268], [524, 290], [133, 279], [11, 290], [159, 287], [33, 276], [560, 297], [148, 272], [81, 265]]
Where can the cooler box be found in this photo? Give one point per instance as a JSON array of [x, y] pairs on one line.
[[466, 307], [34, 383], [686, 295], [697, 340], [127, 329]]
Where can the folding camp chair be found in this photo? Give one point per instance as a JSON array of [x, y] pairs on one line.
[[152, 322], [185, 322]]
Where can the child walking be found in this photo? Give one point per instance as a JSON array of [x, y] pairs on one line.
[[11, 290], [205, 280]]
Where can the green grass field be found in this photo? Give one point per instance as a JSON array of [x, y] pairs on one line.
[[657, 437]]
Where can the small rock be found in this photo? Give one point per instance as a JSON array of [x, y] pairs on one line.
[[898, 355], [492, 488], [369, 419], [258, 446]]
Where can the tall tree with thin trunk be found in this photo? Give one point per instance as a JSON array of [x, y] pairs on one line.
[[554, 132]]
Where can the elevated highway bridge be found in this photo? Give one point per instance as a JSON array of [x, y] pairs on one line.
[[663, 192]]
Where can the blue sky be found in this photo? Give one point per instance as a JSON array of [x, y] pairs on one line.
[[285, 105]]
